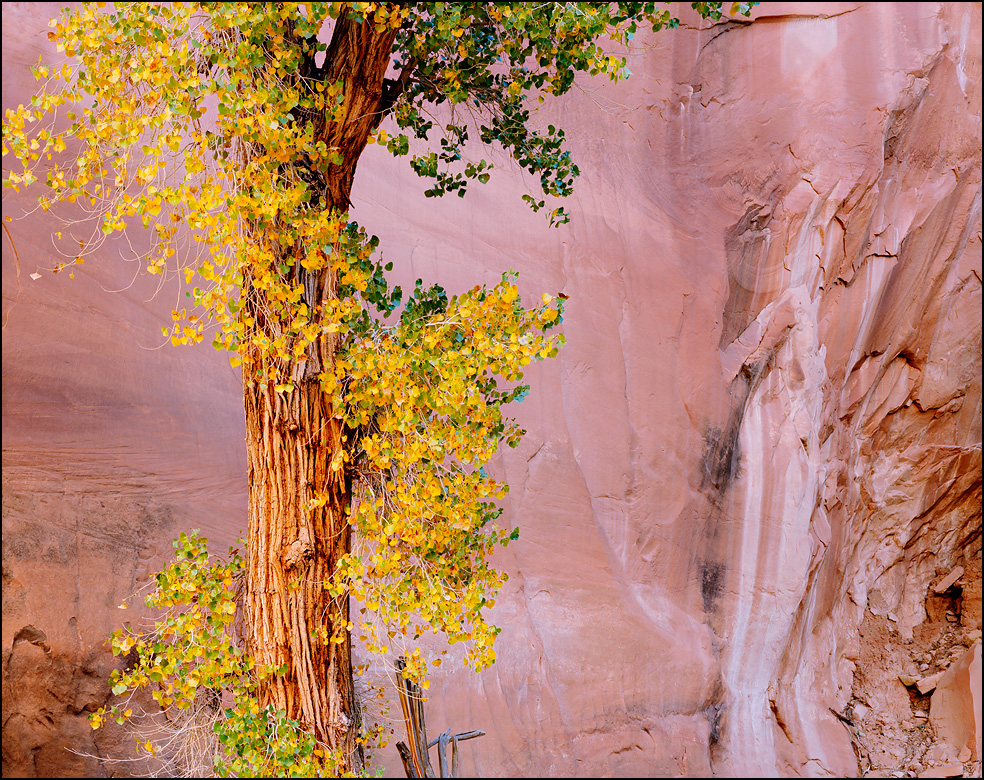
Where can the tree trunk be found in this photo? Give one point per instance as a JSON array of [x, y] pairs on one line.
[[292, 442], [292, 550]]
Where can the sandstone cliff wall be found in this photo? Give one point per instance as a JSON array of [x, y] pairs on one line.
[[758, 452]]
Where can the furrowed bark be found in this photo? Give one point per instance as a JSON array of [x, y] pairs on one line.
[[358, 55], [292, 441], [292, 550]]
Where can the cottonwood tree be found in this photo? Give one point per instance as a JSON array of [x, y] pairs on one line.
[[230, 133]]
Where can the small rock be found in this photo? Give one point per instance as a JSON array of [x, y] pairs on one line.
[[964, 756], [953, 769], [860, 711], [949, 579], [927, 684], [920, 714], [908, 680], [973, 636], [939, 754]]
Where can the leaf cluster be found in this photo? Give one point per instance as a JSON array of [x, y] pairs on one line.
[[484, 62], [426, 396], [192, 661]]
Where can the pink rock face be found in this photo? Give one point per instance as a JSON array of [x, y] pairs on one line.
[[766, 420], [955, 709]]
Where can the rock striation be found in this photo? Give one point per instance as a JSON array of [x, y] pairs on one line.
[[746, 480]]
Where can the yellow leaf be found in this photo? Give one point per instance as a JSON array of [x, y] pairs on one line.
[[337, 460]]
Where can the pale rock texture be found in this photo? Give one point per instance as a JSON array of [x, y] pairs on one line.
[[957, 693], [758, 451]]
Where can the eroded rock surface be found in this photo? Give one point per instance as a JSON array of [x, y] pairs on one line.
[[757, 454]]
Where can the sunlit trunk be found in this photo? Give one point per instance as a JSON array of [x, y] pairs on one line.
[[293, 548]]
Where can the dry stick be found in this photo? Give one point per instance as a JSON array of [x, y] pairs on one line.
[[442, 742], [442, 752], [463, 735], [406, 705], [418, 699], [416, 758], [411, 700], [408, 766], [454, 756]]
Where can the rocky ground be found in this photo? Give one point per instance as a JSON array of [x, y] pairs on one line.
[[916, 708]]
